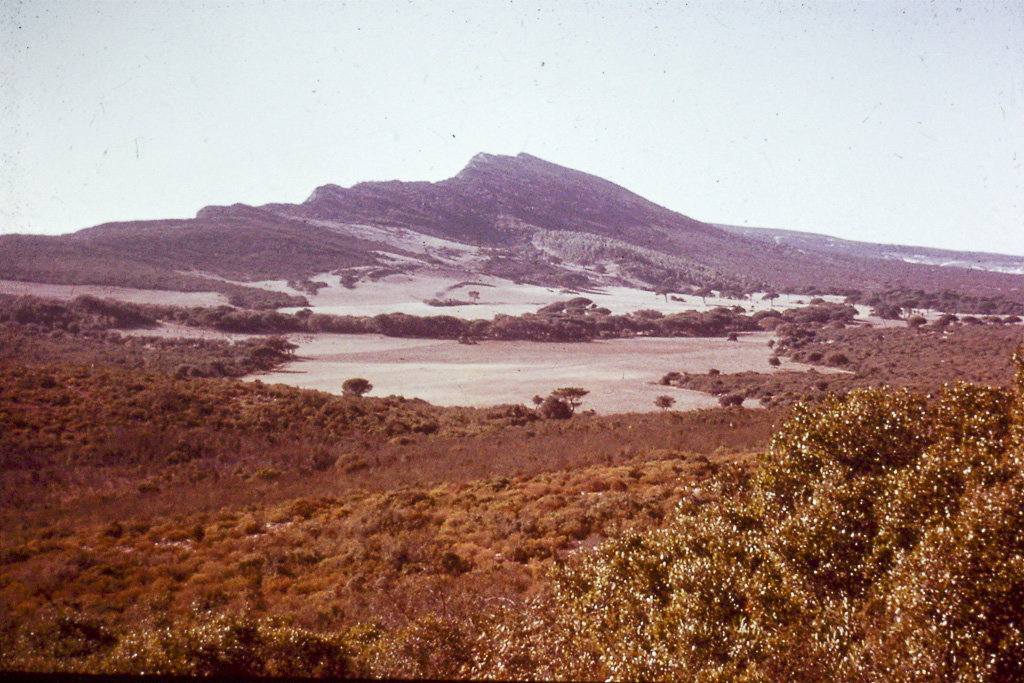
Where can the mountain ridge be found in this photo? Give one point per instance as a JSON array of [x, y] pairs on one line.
[[527, 218], [1000, 263]]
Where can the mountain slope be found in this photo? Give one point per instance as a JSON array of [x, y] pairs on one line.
[[519, 217], [806, 241]]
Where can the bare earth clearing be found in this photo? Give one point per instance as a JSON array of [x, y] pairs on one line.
[[129, 294], [405, 293], [402, 293], [621, 374]]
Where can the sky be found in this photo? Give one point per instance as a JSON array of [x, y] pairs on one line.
[[888, 121]]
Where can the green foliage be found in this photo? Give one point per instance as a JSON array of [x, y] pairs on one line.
[[198, 644], [880, 539]]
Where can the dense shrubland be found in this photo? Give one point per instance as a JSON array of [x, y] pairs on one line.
[[154, 523], [850, 357], [879, 537], [86, 331], [575, 320], [895, 303], [158, 521]]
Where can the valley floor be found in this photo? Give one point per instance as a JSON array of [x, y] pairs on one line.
[[621, 374]]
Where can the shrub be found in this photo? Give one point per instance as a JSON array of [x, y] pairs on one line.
[[230, 646], [731, 400], [554, 408], [857, 555]]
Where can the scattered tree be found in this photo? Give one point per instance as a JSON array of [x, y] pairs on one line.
[[356, 386], [664, 402], [554, 408], [572, 396]]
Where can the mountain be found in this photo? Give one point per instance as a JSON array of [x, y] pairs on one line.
[[518, 217], [806, 241]]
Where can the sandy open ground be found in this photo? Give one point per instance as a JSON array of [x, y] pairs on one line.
[[621, 374], [137, 296], [407, 293]]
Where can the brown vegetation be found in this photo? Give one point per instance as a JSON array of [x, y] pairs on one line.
[[158, 521], [923, 359]]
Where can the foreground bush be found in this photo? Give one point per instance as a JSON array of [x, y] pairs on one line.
[[881, 540], [198, 645]]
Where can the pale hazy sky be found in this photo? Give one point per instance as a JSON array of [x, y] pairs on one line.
[[886, 121]]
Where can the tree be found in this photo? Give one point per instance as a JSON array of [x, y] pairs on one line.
[[770, 297], [915, 321], [664, 402], [572, 396], [474, 295], [554, 408], [280, 345], [356, 386], [887, 311]]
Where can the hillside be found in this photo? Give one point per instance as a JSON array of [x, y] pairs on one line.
[[807, 241], [520, 218]]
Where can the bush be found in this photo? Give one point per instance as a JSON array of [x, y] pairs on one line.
[[857, 555], [916, 321], [554, 408], [731, 400]]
